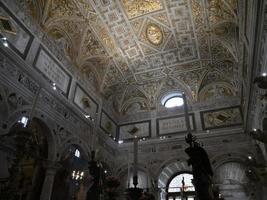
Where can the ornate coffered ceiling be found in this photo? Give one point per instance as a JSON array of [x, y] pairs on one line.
[[135, 51]]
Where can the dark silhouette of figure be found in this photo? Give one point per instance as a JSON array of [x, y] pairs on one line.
[[183, 185], [202, 171], [95, 170]]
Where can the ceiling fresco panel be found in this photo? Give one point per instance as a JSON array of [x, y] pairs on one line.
[[140, 7], [221, 118], [137, 42]]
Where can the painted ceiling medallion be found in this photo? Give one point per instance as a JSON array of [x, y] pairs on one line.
[[135, 8], [154, 34]]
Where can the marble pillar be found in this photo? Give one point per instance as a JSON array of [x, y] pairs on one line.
[[51, 169]]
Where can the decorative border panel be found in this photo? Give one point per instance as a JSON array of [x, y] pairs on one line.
[[52, 70], [174, 125], [108, 125], [20, 39], [144, 130], [84, 101], [224, 117]]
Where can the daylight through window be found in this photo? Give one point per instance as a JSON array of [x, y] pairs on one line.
[[172, 100]]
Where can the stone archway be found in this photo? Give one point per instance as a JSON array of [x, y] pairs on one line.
[[71, 179], [126, 177], [232, 180], [167, 172], [26, 148]]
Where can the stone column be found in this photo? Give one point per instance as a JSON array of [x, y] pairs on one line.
[[36, 181], [135, 167], [51, 169]]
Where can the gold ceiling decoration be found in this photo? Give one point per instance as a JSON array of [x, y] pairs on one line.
[[136, 42], [221, 30], [6, 25], [136, 8], [154, 34]]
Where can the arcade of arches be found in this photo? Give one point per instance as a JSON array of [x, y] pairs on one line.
[[81, 80]]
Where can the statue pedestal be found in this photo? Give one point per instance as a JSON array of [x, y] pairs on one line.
[[133, 193]]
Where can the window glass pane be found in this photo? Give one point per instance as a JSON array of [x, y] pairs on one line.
[[77, 153], [176, 183], [24, 121], [174, 102]]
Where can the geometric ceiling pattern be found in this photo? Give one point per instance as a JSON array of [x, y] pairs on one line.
[[135, 51]]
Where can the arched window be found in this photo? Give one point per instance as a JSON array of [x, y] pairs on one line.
[[23, 121], [77, 153], [181, 187], [172, 100]]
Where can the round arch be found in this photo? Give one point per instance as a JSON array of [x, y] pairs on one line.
[[220, 159], [231, 171], [223, 89], [138, 100], [33, 144], [174, 91], [231, 179], [230, 174], [74, 141], [144, 176], [41, 119], [168, 170], [170, 161], [73, 171], [180, 182]]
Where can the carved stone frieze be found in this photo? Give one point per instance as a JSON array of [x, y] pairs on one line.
[[9, 69]]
